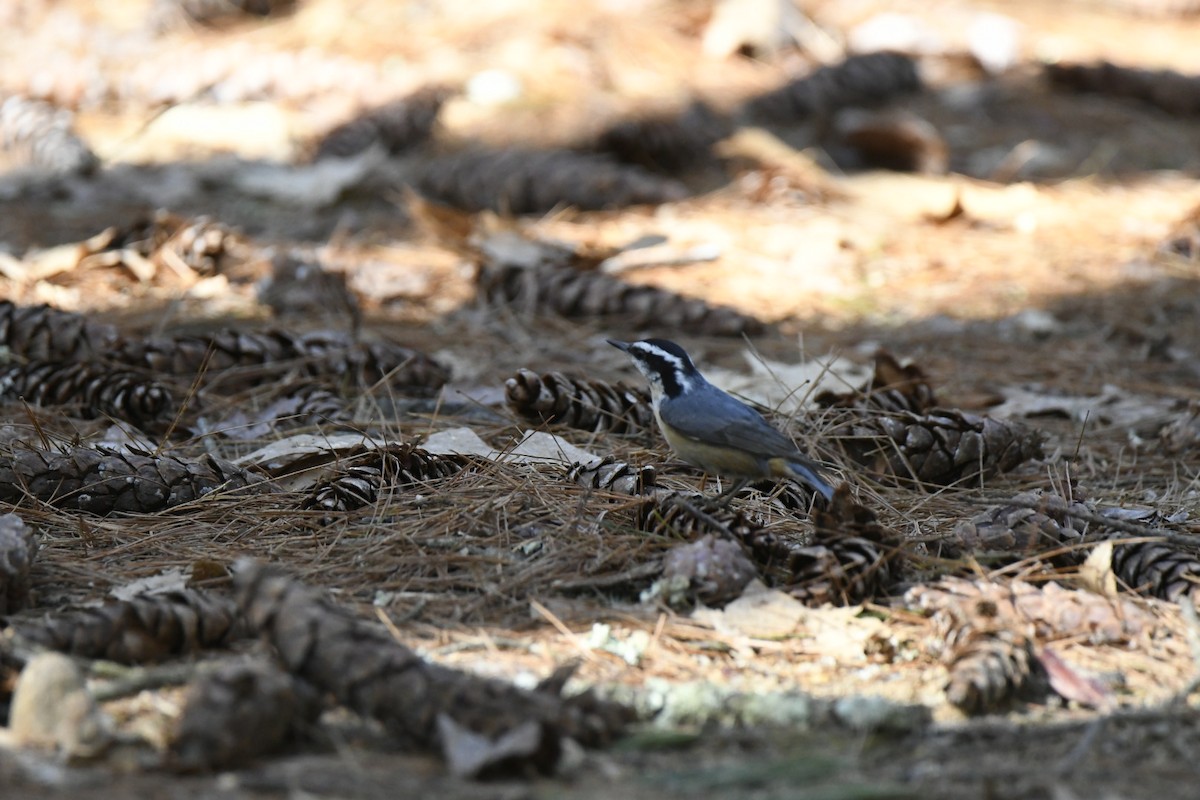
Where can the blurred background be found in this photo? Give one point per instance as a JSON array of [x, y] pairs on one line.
[[817, 161]]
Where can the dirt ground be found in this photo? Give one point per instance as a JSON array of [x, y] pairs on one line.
[[1035, 278]]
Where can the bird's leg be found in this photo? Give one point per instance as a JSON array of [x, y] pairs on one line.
[[722, 500]]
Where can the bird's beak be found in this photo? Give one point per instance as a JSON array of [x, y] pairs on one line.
[[622, 346]]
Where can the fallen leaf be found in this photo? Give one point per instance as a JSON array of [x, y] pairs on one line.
[[1112, 406], [468, 754], [458, 441], [760, 613], [841, 632], [542, 446], [279, 456], [1073, 685], [1096, 572]]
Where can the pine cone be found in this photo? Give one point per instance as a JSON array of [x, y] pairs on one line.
[[18, 547], [1157, 569], [398, 126], [863, 80], [1171, 91], [37, 134], [236, 712], [1031, 523], [98, 391], [296, 406], [537, 181], [892, 388], [320, 353], [991, 668], [145, 629], [103, 481], [590, 405], [613, 475], [677, 516], [667, 143], [852, 557], [46, 334], [358, 484], [371, 364], [1052, 611], [365, 668], [943, 447], [571, 293], [782, 552]]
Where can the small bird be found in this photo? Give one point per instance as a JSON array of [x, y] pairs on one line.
[[710, 428]]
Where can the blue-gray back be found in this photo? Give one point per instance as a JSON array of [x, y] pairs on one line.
[[711, 415]]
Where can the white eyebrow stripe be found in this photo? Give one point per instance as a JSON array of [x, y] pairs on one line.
[[657, 352]]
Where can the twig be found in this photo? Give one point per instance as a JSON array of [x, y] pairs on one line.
[[126, 681], [636, 573]]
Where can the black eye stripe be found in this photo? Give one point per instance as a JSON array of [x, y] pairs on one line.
[[671, 384], [667, 366]]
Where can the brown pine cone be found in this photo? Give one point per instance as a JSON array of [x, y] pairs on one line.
[[590, 405], [236, 712], [1157, 569], [991, 668], [613, 475], [145, 629], [1031, 523], [35, 133], [318, 353], [398, 126], [364, 667], [715, 568], [670, 143], [852, 557], [97, 390], [203, 245], [358, 484], [47, 334], [1167, 89], [536, 181], [943, 447], [103, 481], [861, 80], [891, 388], [572, 293]]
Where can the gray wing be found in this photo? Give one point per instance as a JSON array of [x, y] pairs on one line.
[[718, 418]]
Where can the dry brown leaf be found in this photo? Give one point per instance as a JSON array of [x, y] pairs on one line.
[[1096, 572]]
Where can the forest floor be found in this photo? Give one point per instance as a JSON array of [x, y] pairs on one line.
[[1033, 280]]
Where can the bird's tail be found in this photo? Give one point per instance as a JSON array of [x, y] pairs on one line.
[[810, 475]]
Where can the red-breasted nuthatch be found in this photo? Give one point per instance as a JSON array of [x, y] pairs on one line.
[[710, 428]]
